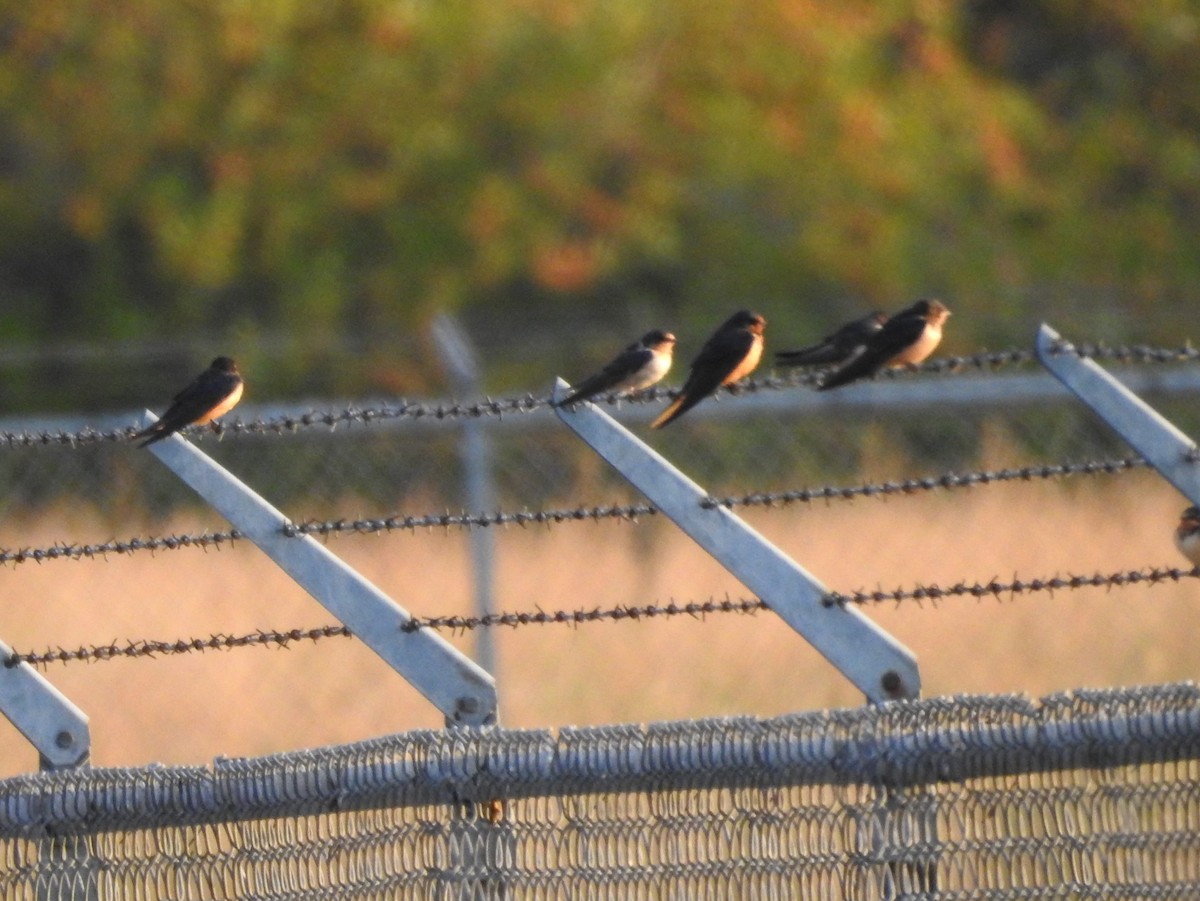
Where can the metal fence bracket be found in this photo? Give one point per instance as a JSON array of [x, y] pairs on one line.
[[881, 667], [1146, 430], [44, 715], [452, 682]]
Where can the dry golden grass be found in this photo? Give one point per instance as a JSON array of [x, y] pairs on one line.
[[191, 708]]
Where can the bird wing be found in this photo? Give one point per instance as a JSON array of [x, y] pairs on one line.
[[821, 354], [205, 392], [834, 348], [897, 334], [718, 359], [621, 368]]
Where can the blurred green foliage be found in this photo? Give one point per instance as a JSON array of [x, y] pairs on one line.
[[344, 169]]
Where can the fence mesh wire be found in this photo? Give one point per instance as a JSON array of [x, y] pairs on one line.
[[1081, 795]]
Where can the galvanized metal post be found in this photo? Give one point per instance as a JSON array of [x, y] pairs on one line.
[[880, 666], [462, 366], [48, 720], [1147, 431], [464, 692]]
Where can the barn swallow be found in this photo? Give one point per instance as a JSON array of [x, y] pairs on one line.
[[905, 340], [213, 393], [838, 347], [1187, 535], [639, 365], [730, 354]]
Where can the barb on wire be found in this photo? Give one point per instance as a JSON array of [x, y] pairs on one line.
[[982, 362], [583, 513], [991, 589]]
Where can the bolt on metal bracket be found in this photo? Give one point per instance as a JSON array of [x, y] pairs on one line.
[[48, 720], [450, 680], [1146, 430], [881, 667]]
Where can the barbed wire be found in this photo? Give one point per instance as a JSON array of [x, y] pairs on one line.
[[151, 648], [399, 522], [947, 480], [65, 551], [997, 589], [583, 513], [981, 362], [993, 589]]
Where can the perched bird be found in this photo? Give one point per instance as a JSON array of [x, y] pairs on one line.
[[730, 354], [904, 340], [213, 393], [639, 365], [835, 348], [1187, 535]]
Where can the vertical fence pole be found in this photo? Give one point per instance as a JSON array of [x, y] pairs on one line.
[[462, 366]]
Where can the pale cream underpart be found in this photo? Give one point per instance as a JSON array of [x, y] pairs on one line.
[[223, 407]]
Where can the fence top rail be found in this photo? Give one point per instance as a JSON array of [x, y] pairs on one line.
[[900, 743]]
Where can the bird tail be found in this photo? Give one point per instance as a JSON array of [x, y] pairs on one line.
[[816, 355], [678, 407], [155, 435], [843, 376], [574, 397]]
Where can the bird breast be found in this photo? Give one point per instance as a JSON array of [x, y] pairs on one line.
[[223, 407], [931, 336], [652, 372], [747, 365]]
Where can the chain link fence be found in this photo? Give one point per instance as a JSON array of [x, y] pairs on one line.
[[1080, 795], [1083, 795]]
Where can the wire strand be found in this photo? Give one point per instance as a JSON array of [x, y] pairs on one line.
[[75, 551], [993, 589], [583, 513]]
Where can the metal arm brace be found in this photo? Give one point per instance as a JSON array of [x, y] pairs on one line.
[[452, 682], [881, 667], [1146, 430], [50, 722]]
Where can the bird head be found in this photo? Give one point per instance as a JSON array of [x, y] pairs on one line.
[[748, 320], [933, 311], [658, 339]]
